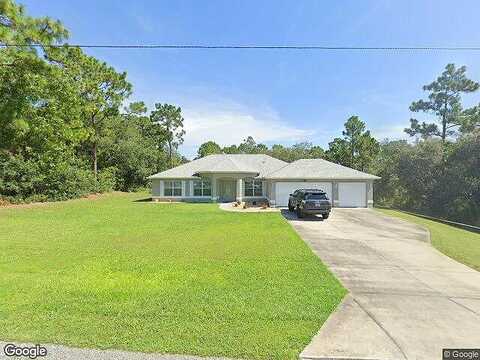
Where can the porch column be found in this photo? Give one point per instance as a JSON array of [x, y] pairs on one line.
[[239, 189], [214, 189]]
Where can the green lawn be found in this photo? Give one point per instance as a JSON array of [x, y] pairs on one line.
[[461, 245], [174, 278]]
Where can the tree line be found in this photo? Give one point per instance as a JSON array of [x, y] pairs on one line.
[[66, 131], [437, 174], [64, 128], [356, 148]]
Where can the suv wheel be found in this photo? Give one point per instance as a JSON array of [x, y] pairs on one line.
[[325, 216], [290, 207], [300, 213]]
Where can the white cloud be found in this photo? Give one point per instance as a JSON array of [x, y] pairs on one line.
[[393, 132], [230, 123]]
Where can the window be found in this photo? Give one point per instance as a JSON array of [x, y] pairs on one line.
[[253, 187], [316, 196], [172, 188], [202, 188]]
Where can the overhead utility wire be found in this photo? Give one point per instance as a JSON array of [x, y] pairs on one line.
[[260, 47]]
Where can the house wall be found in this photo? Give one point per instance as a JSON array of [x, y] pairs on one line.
[[370, 193], [269, 187], [271, 194], [156, 188], [187, 192], [187, 189]]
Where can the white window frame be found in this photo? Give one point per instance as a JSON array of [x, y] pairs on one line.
[[254, 183], [202, 187], [173, 188]]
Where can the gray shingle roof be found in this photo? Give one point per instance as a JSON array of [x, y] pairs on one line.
[[224, 163], [318, 169]]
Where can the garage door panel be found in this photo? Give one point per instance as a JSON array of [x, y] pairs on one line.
[[284, 189], [352, 194]]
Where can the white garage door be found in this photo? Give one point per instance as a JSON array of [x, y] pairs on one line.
[[284, 189], [352, 194]]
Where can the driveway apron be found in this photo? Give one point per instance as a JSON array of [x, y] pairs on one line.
[[407, 300]]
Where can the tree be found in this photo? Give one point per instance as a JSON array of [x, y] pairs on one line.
[[168, 124], [208, 148], [32, 93], [462, 180], [356, 149], [249, 146], [60, 117], [339, 152], [388, 189], [470, 120], [303, 150], [444, 101], [16, 27], [232, 149], [100, 88], [131, 156]]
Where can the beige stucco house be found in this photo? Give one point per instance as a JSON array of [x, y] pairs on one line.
[[246, 177]]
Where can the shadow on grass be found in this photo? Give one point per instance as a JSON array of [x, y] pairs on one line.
[[143, 200]]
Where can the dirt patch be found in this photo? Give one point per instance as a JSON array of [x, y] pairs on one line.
[[4, 202], [92, 196], [8, 205]]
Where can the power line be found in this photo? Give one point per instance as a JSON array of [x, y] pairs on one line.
[[257, 47]]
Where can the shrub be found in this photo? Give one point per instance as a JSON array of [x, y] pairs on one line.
[[106, 180]]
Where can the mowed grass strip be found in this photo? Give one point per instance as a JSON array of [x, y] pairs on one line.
[[459, 244], [169, 278]]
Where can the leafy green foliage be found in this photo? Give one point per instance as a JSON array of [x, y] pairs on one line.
[[208, 148], [175, 278], [125, 149], [303, 150], [420, 177], [100, 90], [18, 28], [356, 149], [444, 101], [167, 127], [26, 180], [62, 131]]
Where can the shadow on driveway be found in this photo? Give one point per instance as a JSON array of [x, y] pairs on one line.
[[291, 215]]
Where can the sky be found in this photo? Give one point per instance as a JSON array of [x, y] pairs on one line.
[[277, 96]]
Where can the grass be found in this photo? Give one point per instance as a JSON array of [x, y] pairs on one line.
[[459, 244], [170, 278]]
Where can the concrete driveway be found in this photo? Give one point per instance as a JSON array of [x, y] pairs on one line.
[[406, 301]]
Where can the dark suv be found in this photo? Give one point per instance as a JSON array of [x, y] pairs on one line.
[[309, 202]]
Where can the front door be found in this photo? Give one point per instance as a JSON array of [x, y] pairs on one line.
[[227, 190]]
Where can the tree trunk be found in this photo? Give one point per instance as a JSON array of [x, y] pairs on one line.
[[352, 154], [95, 163], [444, 138], [94, 149], [170, 154], [444, 129]]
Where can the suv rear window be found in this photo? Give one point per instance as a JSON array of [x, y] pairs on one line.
[[317, 196]]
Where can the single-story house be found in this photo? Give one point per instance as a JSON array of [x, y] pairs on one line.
[[247, 177]]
